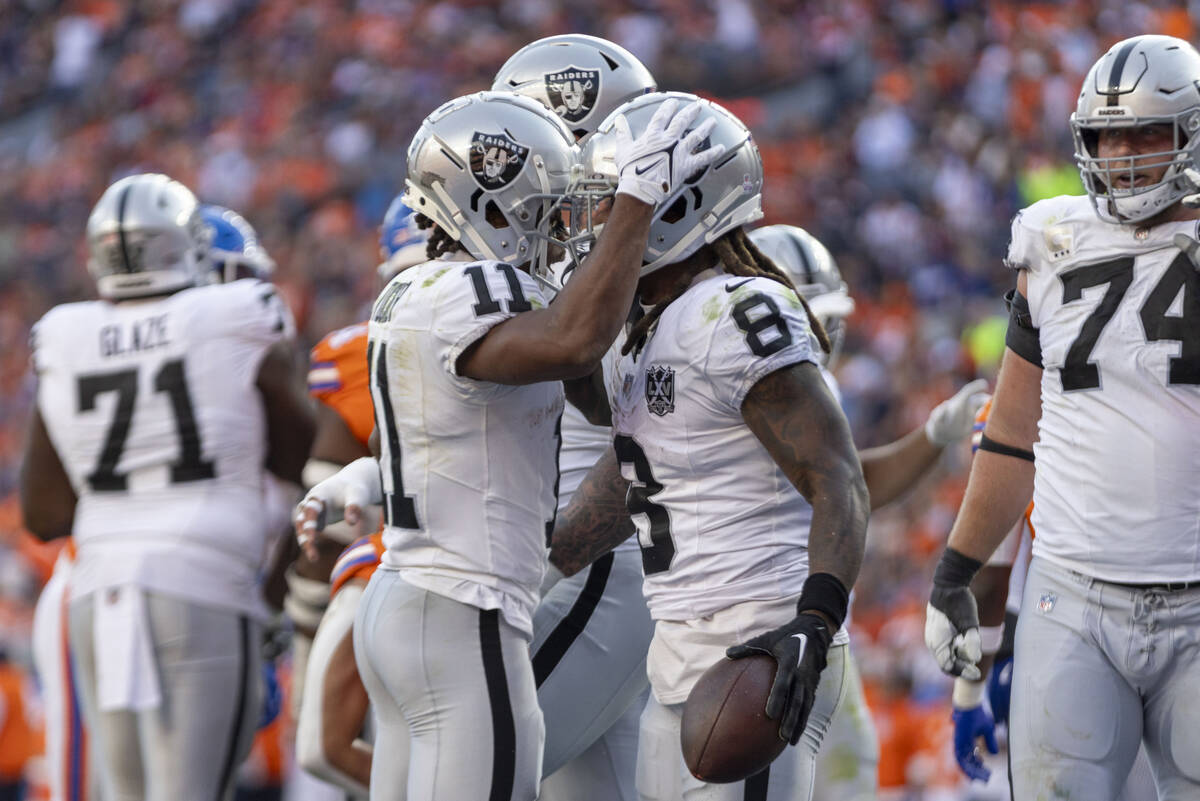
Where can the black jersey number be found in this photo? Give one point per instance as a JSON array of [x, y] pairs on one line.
[[171, 378], [485, 303], [657, 556], [399, 510], [754, 329], [1079, 372]]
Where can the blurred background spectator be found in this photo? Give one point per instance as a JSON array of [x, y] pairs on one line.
[[903, 133]]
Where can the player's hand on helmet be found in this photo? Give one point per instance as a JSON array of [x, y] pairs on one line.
[[972, 720], [953, 418], [651, 166], [799, 649], [952, 618], [344, 495], [999, 688]]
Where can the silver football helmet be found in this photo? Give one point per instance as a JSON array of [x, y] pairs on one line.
[[491, 169], [146, 237], [580, 78], [723, 196], [813, 272], [1146, 80]]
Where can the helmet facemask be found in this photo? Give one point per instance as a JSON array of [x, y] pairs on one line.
[[1101, 176]]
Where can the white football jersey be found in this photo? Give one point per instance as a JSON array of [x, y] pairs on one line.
[[718, 521], [153, 408], [469, 467], [1118, 459]]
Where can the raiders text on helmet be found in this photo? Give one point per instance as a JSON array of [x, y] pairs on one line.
[[719, 198], [146, 237], [1146, 80], [580, 78], [815, 274], [490, 169]]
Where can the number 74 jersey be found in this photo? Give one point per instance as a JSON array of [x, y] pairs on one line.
[[1118, 457]]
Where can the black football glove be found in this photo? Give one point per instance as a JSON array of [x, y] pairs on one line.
[[799, 649], [952, 618]]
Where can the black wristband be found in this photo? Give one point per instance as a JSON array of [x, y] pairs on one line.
[[955, 569], [825, 593], [991, 446]]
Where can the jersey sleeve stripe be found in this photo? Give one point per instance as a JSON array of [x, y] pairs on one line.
[[362, 555]]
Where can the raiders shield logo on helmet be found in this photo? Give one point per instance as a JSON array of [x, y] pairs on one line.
[[660, 390], [572, 92], [496, 160]]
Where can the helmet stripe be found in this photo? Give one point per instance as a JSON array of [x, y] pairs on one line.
[[1118, 67], [121, 226]]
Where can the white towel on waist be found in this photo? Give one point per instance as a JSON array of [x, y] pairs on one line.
[[126, 675]]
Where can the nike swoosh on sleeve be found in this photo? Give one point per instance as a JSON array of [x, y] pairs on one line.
[[731, 287]]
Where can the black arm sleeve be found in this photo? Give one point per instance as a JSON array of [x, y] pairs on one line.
[[1022, 338]]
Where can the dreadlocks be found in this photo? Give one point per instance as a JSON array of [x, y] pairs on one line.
[[439, 242], [739, 257]]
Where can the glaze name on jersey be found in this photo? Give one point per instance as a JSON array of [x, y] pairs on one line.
[[135, 336]]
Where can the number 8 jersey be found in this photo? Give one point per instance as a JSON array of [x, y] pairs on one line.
[[1117, 308], [469, 468], [153, 409], [718, 521]]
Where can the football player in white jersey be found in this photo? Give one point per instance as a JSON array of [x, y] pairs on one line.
[[591, 630], [848, 762], [725, 432], [465, 357], [1101, 381], [158, 406]]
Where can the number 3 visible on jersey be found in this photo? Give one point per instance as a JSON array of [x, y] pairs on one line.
[[657, 556], [171, 379], [1078, 372]]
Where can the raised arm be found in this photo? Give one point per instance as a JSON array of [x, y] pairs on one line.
[[568, 338], [892, 470]]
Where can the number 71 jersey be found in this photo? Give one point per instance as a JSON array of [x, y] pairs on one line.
[[1118, 456], [153, 409]]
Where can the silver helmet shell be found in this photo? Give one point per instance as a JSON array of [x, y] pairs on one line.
[[721, 197], [813, 272], [146, 237], [1145, 80], [490, 169], [580, 78]]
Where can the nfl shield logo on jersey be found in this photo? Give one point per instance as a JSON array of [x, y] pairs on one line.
[[496, 160], [572, 92], [660, 390]]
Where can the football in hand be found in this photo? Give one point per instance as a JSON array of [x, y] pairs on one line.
[[726, 734]]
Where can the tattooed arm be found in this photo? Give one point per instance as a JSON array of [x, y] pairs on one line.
[[796, 418], [595, 521]]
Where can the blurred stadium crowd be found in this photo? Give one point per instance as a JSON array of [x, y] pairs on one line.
[[903, 133]]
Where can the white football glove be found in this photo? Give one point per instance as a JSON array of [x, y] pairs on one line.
[[953, 418], [344, 495], [952, 631], [652, 166]]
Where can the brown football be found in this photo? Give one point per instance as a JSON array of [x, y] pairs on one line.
[[726, 734]]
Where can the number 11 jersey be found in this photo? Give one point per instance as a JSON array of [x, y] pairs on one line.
[[1117, 308], [153, 409], [469, 468]]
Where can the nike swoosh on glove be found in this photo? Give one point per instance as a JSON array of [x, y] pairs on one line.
[[653, 165], [799, 649], [969, 726]]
